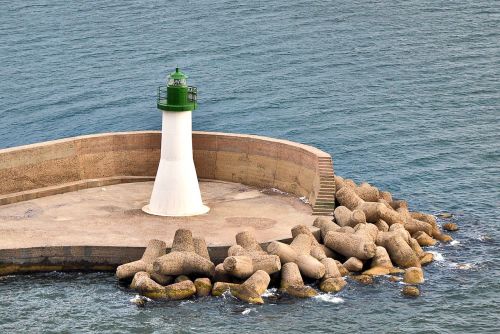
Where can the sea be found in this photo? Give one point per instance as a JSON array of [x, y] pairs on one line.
[[403, 94]]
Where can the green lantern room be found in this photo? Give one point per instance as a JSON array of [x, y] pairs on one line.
[[177, 95]]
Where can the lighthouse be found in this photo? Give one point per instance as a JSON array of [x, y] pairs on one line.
[[176, 191]]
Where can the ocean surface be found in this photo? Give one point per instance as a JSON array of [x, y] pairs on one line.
[[403, 94]]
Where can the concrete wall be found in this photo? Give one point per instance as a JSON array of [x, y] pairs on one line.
[[87, 258], [48, 168]]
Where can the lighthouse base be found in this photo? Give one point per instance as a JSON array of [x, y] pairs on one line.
[[202, 210], [176, 191]]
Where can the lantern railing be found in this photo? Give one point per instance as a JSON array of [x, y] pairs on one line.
[[192, 94], [162, 94]]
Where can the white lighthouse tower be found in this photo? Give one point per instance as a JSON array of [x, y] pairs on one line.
[[176, 191]]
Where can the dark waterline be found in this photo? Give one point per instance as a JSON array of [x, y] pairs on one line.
[[403, 95]]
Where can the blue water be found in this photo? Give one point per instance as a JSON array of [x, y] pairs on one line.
[[405, 95]]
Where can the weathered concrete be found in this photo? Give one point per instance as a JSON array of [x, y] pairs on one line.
[[100, 228], [60, 166]]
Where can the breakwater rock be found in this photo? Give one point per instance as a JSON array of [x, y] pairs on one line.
[[370, 234]]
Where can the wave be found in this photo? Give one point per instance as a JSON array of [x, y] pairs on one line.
[[328, 298]]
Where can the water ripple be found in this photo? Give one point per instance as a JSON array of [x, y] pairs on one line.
[[402, 95]]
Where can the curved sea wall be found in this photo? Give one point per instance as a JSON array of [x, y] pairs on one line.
[[64, 165]]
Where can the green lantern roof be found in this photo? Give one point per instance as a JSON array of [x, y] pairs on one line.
[[178, 74]]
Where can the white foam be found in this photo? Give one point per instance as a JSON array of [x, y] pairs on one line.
[[483, 237], [462, 266], [270, 292], [454, 243], [248, 310], [437, 256], [326, 297], [227, 295], [139, 298]]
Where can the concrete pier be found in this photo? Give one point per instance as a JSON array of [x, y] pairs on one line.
[[97, 222], [75, 203]]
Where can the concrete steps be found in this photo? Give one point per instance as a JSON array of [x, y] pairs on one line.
[[325, 202]]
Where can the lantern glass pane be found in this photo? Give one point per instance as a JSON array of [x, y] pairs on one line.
[[177, 82]]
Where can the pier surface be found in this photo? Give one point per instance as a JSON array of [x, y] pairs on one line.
[[112, 216]]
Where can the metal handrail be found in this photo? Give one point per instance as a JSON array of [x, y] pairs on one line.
[[160, 90], [192, 93]]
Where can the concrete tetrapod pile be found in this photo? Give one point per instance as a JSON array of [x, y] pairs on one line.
[[370, 234], [152, 275], [388, 234]]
